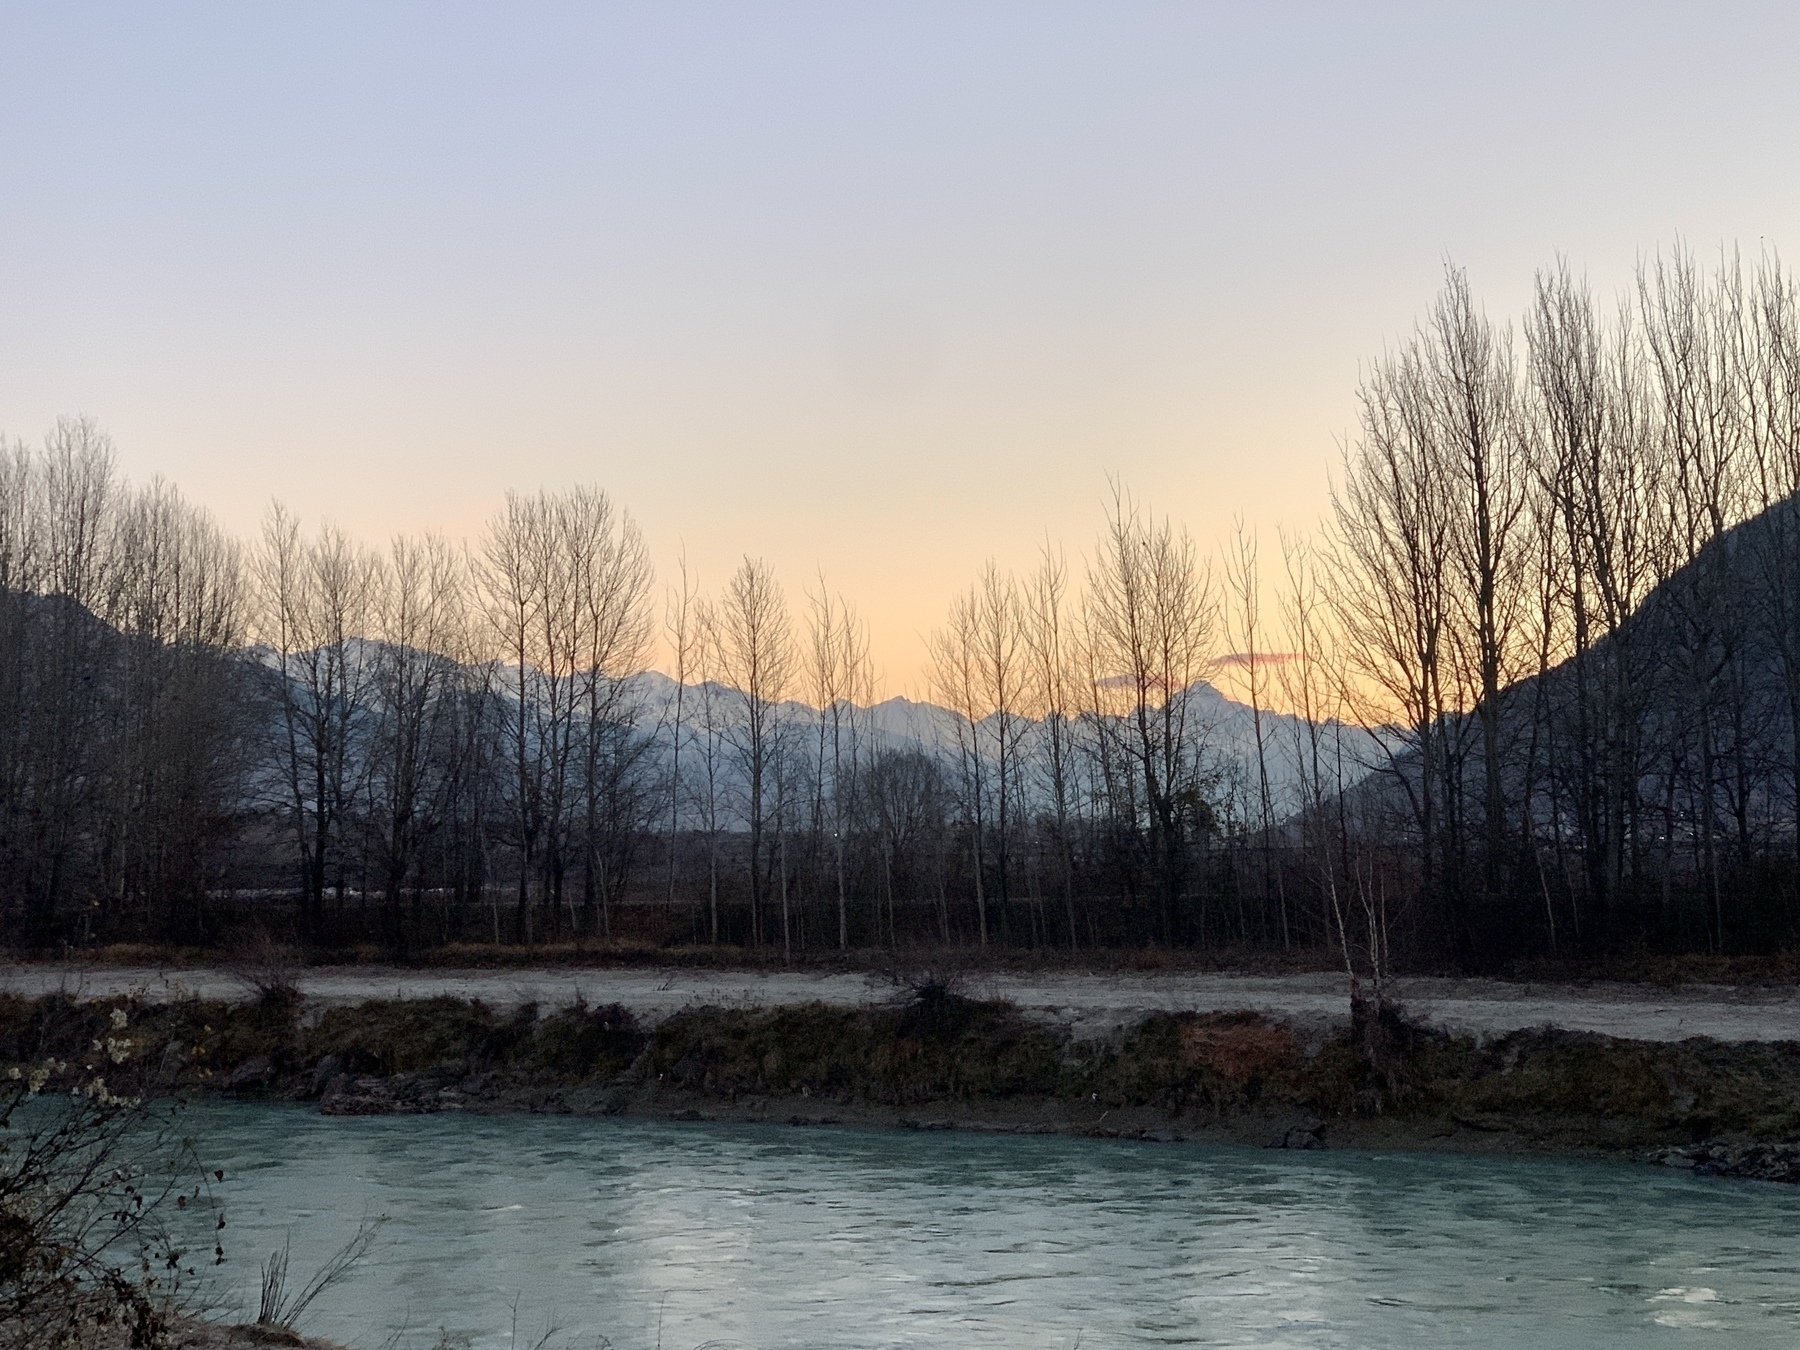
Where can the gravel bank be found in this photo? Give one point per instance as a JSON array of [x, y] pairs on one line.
[[1087, 1005]]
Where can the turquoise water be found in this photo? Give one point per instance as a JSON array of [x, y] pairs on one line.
[[770, 1236]]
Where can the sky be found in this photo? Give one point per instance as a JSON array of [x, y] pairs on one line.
[[872, 291]]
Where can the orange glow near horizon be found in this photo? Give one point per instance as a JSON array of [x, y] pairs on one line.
[[873, 293]]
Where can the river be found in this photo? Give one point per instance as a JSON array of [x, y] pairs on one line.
[[677, 1234]]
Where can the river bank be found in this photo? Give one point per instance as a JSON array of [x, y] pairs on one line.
[[1084, 1003], [935, 1059], [198, 1333]]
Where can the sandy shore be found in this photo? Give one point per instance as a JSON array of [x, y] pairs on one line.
[[1088, 1005]]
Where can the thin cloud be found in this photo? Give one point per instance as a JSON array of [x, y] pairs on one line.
[[1250, 660]]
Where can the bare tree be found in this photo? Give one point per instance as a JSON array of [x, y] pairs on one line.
[[1470, 382], [1395, 523], [421, 617], [1053, 701], [1596, 468], [1150, 621], [1245, 582], [838, 652], [1696, 383], [956, 676], [314, 606], [710, 746], [753, 640], [685, 636], [70, 496], [179, 732], [1001, 668], [613, 579], [1774, 379], [567, 584]]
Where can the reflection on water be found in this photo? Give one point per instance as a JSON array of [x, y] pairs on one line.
[[779, 1237]]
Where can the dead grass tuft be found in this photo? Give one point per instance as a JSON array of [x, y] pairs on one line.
[[1240, 1050]]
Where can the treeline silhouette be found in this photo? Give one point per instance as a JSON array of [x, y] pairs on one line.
[[1532, 691]]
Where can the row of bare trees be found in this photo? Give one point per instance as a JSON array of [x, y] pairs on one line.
[[180, 714], [1535, 689], [1565, 573], [1078, 732], [432, 706], [119, 608]]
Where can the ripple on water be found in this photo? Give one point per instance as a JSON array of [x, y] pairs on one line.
[[847, 1239]]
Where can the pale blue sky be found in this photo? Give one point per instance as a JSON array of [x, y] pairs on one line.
[[882, 289]]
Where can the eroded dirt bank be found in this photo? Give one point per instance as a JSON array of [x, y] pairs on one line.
[[933, 1059], [1086, 1005]]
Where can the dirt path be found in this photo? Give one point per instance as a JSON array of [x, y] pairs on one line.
[[1089, 1004]]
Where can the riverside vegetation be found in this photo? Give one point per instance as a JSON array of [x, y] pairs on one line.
[[95, 1174], [934, 1059]]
